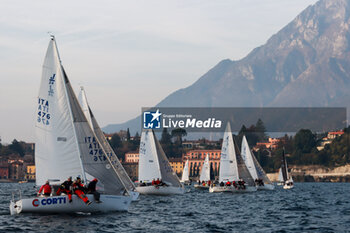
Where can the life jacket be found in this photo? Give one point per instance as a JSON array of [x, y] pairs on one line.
[[92, 186], [66, 185], [78, 186], [46, 188]]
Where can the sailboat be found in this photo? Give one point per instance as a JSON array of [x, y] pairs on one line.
[[262, 182], [287, 178], [67, 146], [232, 168], [280, 177], [204, 178], [153, 166], [116, 165], [185, 175]]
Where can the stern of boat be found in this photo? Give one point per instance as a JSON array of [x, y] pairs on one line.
[[16, 206]]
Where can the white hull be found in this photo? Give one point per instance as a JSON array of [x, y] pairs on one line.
[[134, 195], [187, 182], [60, 204], [231, 189], [288, 186], [199, 186], [160, 190], [266, 187]]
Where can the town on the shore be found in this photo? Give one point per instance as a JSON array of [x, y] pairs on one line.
[[311, 157]]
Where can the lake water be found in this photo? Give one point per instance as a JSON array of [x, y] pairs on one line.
[[309, 207]]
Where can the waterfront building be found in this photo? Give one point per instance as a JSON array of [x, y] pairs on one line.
[[132, 157], [196, 159], [177, 165]]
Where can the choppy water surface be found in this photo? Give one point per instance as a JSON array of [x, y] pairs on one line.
[[309, 207]]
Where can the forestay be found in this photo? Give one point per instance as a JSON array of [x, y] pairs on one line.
[[228, 164]]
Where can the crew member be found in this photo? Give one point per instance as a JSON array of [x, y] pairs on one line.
[[92, 190], [66, 188], [45, 189], [78, 189]]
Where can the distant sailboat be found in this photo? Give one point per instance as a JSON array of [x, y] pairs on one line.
[[287, 178], [258, 174], [232, 168], [185, 174], [153, 166], [116, 165], [280, 177], [67, 146], [204, 177]]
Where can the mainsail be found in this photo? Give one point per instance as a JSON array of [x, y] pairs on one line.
[[205, 173], [261, 173], [168, 175], [248, 158], [57, 152], [228, 164], [66, 145], [185, 173], [284, 167], [252, 163], [243, 171], [148, 158], [113, 158], [153, 163]]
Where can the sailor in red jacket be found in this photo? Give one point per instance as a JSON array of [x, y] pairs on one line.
[[78, 189], [45, 190]]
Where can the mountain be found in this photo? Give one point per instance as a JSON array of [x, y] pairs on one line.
[[306, 64]]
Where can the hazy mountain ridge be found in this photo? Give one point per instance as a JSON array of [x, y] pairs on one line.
[[307, 63]]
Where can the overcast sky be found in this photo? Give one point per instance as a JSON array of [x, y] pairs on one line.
[[127, 54]]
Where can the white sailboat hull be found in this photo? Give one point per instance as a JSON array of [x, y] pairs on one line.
[[134, 195], [60, 204], [231, 189], [266, 187], [187, 182], [199, 186], [160, 190], [288, 186]]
